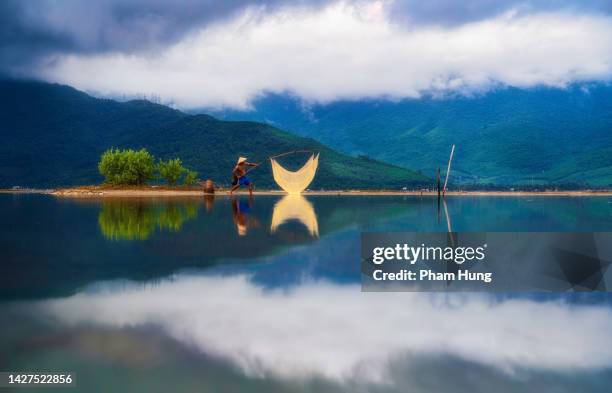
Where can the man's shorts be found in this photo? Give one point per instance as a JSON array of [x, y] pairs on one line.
[[244, 181]]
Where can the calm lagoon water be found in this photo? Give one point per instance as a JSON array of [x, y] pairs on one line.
[[264, 295]]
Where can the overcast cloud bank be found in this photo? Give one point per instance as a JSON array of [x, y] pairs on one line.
[[324, 52]]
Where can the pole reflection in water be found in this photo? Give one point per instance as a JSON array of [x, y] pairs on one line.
[[295, 207], [449, 226]]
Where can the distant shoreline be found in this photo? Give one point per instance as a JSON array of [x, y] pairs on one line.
[[103, 192]]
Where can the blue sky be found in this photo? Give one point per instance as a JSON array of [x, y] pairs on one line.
[[227, 53]]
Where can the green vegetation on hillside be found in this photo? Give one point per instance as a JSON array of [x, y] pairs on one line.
[[215, 145], [55, 134], [508, 136]]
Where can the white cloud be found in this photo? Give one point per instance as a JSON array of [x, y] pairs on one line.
[[349, 51], [336, 331]]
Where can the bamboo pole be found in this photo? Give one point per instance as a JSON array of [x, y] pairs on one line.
[[450, 160], [438, 188]]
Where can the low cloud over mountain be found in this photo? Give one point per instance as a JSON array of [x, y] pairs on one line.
[[216, 54]]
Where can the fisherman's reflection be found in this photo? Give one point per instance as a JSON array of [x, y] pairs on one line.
[[241, 213]]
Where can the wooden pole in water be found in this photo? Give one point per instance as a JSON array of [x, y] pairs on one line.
[[450, 160], [438, 187]]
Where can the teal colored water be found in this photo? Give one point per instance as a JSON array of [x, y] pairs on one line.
[[264, 295]]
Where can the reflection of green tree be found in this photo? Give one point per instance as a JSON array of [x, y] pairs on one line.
[[122, 220], [174, 215], [136, 220]]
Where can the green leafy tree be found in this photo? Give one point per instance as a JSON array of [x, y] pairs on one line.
[[171, 170], [191, 178], [127, 166]]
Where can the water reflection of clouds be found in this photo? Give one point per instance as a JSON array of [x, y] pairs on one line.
[[335, 331]]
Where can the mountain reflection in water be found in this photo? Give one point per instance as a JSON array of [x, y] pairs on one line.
[[80, 241], [56, 245], [163, 295]]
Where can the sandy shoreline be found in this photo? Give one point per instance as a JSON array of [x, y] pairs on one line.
[[95, 192]]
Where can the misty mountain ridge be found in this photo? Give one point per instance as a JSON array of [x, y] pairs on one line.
[[506, 136]]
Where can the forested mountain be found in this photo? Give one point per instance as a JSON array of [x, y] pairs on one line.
[[508, 136], [53, 136]]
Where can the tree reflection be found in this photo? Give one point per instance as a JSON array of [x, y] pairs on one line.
[[138, 219], [174, 215]]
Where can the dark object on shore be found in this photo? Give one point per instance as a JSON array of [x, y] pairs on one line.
[[209, 187]]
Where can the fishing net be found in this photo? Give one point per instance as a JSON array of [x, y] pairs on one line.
[[295, 182]]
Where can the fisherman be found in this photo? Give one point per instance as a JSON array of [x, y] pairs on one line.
[[239, 175]]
